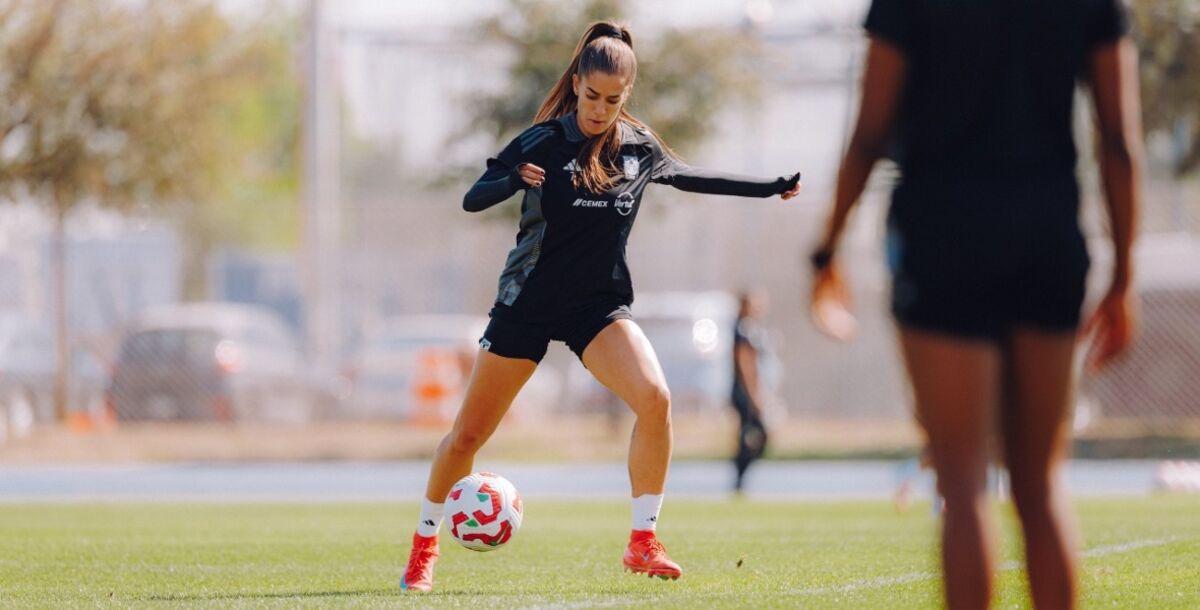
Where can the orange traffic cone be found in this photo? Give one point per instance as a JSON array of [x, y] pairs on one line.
[[437, 380]]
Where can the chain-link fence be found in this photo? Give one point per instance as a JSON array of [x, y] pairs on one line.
[[416, 276]]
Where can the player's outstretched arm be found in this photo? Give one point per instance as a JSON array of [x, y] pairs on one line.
[[696, 180]]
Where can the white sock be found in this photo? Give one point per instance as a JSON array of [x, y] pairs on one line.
[[431, 518], [645, 511]]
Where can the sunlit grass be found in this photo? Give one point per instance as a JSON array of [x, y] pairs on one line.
[[1143, 553]]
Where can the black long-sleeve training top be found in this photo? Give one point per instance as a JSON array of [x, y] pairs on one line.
[[570, 249]]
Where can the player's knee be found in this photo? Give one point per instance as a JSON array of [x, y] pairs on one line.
[[1031, 495], [653, 404], [963, 500], [467, 440], [961, 482]]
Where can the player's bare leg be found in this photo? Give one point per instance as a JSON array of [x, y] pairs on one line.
[[494, 384], [622, 359]]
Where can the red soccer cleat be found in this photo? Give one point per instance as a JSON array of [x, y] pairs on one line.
[[646, 555], [419, 574]]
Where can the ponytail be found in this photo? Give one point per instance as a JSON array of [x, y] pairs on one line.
[[606, 47]]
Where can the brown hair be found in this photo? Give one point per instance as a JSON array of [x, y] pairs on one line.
[[606, 47]]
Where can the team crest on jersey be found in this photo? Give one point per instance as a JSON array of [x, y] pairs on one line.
[[631, 165]]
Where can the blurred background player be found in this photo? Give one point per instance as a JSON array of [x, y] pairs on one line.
[[583, 168], [989, 264], [910, 474], [749, 387]]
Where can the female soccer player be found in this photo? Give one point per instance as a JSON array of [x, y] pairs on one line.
[[987, 257], [583, 167]]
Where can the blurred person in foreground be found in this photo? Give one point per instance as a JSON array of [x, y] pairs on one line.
[[749, 388], [583, 167], [987, 257]]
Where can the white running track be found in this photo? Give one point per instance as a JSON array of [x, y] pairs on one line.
[[405, 481]]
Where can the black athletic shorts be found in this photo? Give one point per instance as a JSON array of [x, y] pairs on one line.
[[977, 260], [513, 335]]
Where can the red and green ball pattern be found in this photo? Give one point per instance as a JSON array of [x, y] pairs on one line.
[[485, 511]]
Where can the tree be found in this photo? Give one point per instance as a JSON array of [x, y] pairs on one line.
[[1168, 33], [253, 200], [684, 76], [117, 102]]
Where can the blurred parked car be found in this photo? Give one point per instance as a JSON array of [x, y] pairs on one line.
[[416, 368], [692, 334], [413, 367], [212, 361]]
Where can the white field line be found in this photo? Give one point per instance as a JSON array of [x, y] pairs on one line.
[[1115, 549], [872, 583], [887, 581]]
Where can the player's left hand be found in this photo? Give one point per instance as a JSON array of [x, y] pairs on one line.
[[1111, 327], [830, 304], [792, 192]]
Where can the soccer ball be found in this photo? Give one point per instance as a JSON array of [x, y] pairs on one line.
[[484, 511]]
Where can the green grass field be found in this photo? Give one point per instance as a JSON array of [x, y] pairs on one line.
[[1139, 553]]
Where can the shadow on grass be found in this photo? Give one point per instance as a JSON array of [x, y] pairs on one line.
[[184, 597], [389, 592], [317, 594]]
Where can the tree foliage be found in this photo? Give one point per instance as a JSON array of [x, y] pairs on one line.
[[123, 102], [260, 126], [148, 103], [1168, 33], [103, 101], [684, 76]]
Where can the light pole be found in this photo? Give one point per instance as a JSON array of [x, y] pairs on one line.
[[321, 252]]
